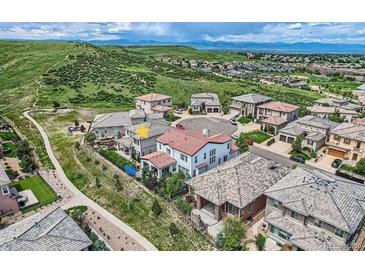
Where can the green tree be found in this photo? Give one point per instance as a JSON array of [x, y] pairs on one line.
[[297, 144], [234, 230], [242, 143], [360, 166], [173, 185], [336, 117], [90, 137], [219, 240], [156, 208], [56, 104], [260, 241]]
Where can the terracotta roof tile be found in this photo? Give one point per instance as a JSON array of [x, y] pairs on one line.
[[159, 159], [275, 121], [279, 106]]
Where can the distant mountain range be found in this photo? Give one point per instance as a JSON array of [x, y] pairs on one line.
[[310, 47]]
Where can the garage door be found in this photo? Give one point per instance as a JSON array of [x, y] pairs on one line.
[[337, 153]]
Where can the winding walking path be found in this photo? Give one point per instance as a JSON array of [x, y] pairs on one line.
[[81, 199]]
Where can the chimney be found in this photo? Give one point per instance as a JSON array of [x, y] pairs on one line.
[[205, 132]]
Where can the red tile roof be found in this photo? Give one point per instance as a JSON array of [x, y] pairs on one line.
[[153, 97], [159, 159], [275, 121], [190, 142], [279, 106], [161, 108]]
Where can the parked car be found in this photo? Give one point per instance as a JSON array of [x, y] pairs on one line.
[[233, 122], [235, 136], [336, 163], [298, 159]]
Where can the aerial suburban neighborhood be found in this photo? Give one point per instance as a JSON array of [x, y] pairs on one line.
[[173, 148]]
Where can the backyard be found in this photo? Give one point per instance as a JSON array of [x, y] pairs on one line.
[[41, 190]]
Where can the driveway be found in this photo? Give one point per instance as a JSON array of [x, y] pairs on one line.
[[278, 147], [80, 199], [324, 163]]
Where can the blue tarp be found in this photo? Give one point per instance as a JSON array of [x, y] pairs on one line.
[[131, 171]]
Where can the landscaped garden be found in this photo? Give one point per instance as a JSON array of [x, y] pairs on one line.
[[41, 190], [256, 136], [244, 120], [359, 168]]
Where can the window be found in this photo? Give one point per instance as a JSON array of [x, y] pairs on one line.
[[294, 215], [228, 145], [336, 137], [196, 159], [231, 209], [317, 223], [347, 141], [212, 153], [5, 190], [184, 170], [173, 168], [183, 157], [275, 203], [205, 155], [212, 160], [339, 232], [280, 233], [168, 151], [310, 142], [225, 158], [212, 156], [159, 146]]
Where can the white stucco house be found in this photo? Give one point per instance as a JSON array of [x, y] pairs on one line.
[[192, 152]]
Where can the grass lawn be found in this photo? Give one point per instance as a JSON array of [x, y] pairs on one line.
[[244, 120], [257, 136], [351, 169], [41, 190], [6, 135], [302, 154], [10, 149]]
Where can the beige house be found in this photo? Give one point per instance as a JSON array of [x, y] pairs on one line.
[[275, 115], [315, 211], [154, 103], [347, 141], [247, 104]]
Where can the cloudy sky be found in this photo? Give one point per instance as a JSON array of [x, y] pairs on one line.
[[348, 33]]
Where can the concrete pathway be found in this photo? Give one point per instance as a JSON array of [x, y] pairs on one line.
[[79, 198]]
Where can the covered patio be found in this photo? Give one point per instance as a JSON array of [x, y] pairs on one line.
[[160, 163]]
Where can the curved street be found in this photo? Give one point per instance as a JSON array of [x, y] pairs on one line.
[[80, 199]]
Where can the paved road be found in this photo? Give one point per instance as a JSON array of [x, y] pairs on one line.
[[81, 199]]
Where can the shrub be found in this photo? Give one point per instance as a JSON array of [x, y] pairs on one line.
[[173, 229], [234, 230], [156, 208], [77, 145], [297, 144], [183, 206], [219, 240], [90, 137], [360, 167], [174, 185], [260, 241]]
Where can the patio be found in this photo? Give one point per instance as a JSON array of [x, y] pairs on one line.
[[213, 226]]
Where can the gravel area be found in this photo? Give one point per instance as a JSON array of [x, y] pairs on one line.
[[215, 125]]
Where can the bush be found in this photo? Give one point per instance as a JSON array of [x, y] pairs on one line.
[[260, 241], [174, 185], [183, 206], [115, 158], [360, 167], [173, 229], [156, 208], [234, 230], [219, 240], [90, 137]]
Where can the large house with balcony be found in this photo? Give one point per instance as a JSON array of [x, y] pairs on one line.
[[314, 131], [236, 187], [154, 103], [206, 102], [114, 124], [134, 143], [192, 152], [325, 111], [275, 115], [247, 104], [347, 141], [339, 103], [315, 211]]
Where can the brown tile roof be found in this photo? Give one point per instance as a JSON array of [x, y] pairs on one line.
[[190, 142], [279, 106], [159, 159], [275, 121], [153, 97]]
